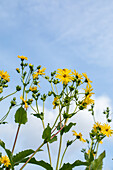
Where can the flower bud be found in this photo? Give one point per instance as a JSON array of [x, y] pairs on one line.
[[18, 88]]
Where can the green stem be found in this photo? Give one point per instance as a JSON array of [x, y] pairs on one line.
[[97, 150], [59, 152], [4, 117], [63, 156], [8, 95], [47, 142], [32, 155], [16, 138], [33, 109]]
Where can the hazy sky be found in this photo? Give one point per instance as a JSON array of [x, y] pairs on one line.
[[60, 34]]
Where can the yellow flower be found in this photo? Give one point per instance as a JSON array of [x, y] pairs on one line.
[[88, 91], [41, 71], [79, 76], [87, 101], [35, 75], [87, 79], [56, 102], [22, 57], [106, 130], [5, 160], [34, 88], [4, 75], [26, 105], [64, 75], [78, 136], [97, 127]]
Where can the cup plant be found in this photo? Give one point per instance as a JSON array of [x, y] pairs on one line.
[[65, 90]]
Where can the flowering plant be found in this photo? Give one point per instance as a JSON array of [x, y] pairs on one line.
[[66, 93]]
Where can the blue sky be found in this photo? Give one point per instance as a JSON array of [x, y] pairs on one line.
[[60, 34]]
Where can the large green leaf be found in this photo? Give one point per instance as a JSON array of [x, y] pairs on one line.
[[41, 163], [21, 116], [9, 154], [98, 163], [47, 134], [21, 155], [79, 163], [69, 166], [67, 128]]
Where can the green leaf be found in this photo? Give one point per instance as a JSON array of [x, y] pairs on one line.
[[41, 163], [9, 154], [21, 155], [79, 163], [53, 139], [40, 116], [66, 167], [97, 163], [21, 116], [67, 128], [47, 133], [69, 166]]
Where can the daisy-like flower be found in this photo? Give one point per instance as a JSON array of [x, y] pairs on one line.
[[41, 71], [64, 75], [97, 127], [106, 130], [55, 102], [22, 57], [5, 160], [88, 91], [34, 88], [26, 105], [87, 101], [78, 76], [78, 136], [4, 75], [87, 80]]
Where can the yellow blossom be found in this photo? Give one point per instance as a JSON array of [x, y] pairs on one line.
[[87, 79], [97, 127], [78, 136], [5, 160], [88, 91], [106, 130], [79, 76], [26, 105], [22, 57], [55, 102], [4, 75], [64, 75], [34, 88], [41, 71], [87, 101]]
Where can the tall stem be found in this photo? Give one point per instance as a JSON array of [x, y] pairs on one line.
[[32, 155], [59, 152], [16, 138], [63, 156]]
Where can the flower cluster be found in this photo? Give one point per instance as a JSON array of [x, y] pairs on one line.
[[67, 88]]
